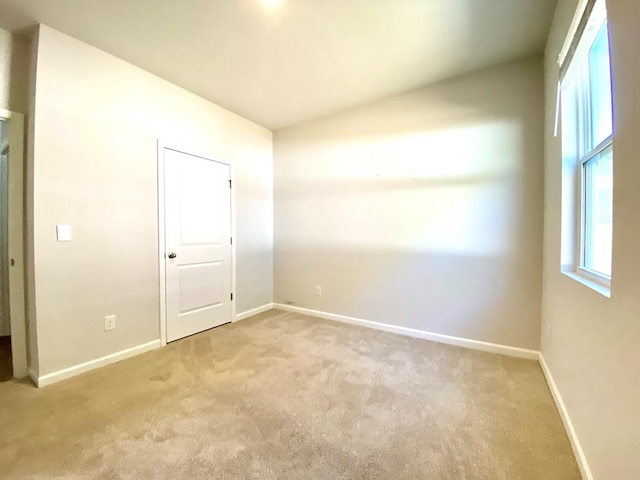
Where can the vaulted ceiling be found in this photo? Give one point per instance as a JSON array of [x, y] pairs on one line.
[[279, 62]]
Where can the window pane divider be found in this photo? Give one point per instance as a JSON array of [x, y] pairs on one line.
[[598, 150]]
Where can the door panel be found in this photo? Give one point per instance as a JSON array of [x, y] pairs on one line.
[[200, 286], [198, 232]]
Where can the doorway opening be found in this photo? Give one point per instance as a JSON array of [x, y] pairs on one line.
[[6, 362], [13, 345]]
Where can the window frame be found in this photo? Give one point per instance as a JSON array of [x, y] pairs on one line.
[[578, 71], [581, 252]]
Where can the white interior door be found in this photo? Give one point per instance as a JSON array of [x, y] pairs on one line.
[[197, 243]]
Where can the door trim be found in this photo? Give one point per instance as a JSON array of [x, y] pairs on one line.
[[16, 241], [162, 145]]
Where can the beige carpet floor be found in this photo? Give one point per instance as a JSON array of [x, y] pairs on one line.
[[284, 396]]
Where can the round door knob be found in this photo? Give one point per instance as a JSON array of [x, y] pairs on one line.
[[172, 255]]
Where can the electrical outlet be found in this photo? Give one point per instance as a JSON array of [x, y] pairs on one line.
[[318, 290], [109, 322]]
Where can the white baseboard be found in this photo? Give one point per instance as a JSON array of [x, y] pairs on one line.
[[568, 425], [434, 337], [49, 378], [253, 311]]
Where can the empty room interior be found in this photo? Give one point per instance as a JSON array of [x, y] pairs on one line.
[[320, 239]]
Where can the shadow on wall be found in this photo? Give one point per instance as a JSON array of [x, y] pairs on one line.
[[422, 210]]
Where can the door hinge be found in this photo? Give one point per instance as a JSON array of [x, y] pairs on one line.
[[232, 297], [231, 240], [229, 183]]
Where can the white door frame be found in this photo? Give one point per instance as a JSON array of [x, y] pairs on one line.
[[161, 229], [15, 237]]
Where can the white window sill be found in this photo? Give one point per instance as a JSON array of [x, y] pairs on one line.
[[587, 282]]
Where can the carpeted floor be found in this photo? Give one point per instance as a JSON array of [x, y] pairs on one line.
[[284, 396]]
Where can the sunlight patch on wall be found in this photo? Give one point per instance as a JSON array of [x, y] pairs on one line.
[[446, 154], [441, 191]]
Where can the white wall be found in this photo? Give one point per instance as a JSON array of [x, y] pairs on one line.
[[422, 210], [592, 343], [97, 120], [14, 61]]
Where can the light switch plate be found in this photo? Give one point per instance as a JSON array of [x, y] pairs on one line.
[[63, 233]]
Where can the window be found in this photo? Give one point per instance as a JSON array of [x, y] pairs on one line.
[[587, 149]]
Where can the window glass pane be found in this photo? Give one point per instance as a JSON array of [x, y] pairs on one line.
[[598, 211], [570, 120], [600, 88]]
